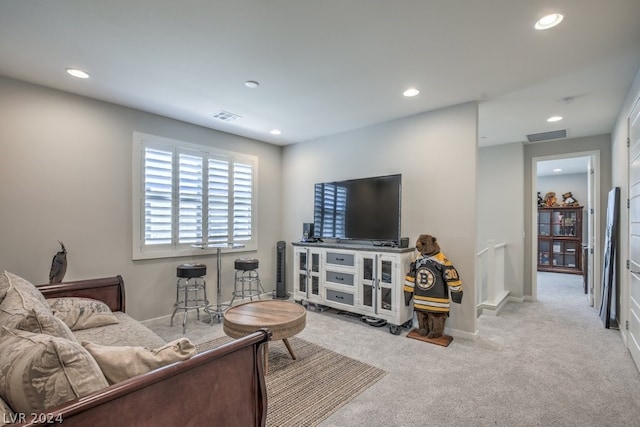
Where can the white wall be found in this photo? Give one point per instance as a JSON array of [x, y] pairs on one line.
[[65, 174], [620, 178], [500, 207], [436, 154]]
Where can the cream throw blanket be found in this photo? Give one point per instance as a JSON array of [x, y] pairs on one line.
[[119, 363]]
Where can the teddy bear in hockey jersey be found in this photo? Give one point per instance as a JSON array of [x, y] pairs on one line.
[[429, 281]]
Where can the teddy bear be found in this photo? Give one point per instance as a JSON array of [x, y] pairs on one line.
[[550, 200], [541, 203], [430, 280], [568, 200]]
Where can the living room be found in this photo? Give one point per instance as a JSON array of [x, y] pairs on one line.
[[67, 176]]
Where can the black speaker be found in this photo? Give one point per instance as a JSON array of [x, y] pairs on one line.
[[307, 230], [281, 271], [404, 242]]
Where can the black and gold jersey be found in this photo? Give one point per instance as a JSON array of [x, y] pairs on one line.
[[429, 281]]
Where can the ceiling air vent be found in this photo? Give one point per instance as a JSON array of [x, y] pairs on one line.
[[226, 116], [546, 136]]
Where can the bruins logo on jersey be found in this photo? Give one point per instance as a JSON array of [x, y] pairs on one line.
[[425, 278]]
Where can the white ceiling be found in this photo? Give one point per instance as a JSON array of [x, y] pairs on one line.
[[333, 65], [563, 166]]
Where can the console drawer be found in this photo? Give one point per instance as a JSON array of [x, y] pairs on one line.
[[340, 278], [338, 258], [341, 297]]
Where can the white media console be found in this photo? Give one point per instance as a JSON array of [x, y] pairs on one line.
[[362, 279]]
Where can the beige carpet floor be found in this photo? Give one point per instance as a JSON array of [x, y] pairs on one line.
[[543, 363]]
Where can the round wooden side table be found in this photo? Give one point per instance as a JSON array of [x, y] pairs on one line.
[[284, 319]]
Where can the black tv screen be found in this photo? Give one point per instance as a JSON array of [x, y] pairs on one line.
[[359, 209]]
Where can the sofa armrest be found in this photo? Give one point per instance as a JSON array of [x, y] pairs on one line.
[[222, 386], [109, 290]]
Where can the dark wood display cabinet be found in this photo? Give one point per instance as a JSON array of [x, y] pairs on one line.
[[560, 239]]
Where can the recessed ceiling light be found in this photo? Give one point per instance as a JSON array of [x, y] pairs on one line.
[[252, 84], [549, 21], [557, 170], [276, 132], [78, 73], [554, 119], [411, 92]]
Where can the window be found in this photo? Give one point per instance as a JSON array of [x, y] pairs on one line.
[[185, 195]]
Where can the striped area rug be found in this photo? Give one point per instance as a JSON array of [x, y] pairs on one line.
[[305, 391]]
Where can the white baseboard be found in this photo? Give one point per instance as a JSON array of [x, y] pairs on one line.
[[225, 304], [456, 333], [494, 309]]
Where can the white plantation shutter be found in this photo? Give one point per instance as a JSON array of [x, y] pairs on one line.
[[190, 198], [242, 197], [341, 211], [218, 201], [191, 195], [330, 208], [158, 195]]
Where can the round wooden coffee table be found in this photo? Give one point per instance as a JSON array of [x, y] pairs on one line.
[[284, 319]]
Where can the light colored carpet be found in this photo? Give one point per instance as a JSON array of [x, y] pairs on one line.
[[305, 391], [543, 363]]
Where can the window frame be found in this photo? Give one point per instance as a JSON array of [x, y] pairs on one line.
[[142, 251]]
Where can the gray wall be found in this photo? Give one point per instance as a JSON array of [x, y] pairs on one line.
[[436, 154], [576, 183], [600, 144], [500, 211], [65, 174]]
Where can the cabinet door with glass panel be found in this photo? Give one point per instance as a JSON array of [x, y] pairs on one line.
[[367, 282], [307, 274], [379, 284]]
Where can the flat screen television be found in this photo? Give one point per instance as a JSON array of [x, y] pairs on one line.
[[359, 209]]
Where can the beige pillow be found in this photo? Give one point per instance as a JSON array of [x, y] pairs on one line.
[[6, 414], [20, 299], [43, 322], [40, 371], [119, 363], [4, 285], [81, 313]]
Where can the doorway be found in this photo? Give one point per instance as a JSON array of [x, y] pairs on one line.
[[582, 179]]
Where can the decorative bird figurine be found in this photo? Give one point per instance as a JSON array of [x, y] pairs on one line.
[[58, 265]]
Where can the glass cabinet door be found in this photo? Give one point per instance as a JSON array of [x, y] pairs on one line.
[[307, 280], [544, 223], [367, 283], [543, 252], [564, 223], [570, 254], [314, 275], [385, 285], [302, 272]]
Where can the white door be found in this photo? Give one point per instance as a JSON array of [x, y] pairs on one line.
[[633, 341]]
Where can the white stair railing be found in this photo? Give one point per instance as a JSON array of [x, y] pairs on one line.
[[491, 294]]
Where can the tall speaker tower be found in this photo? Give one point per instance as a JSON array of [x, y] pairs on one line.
[[281, 271]]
